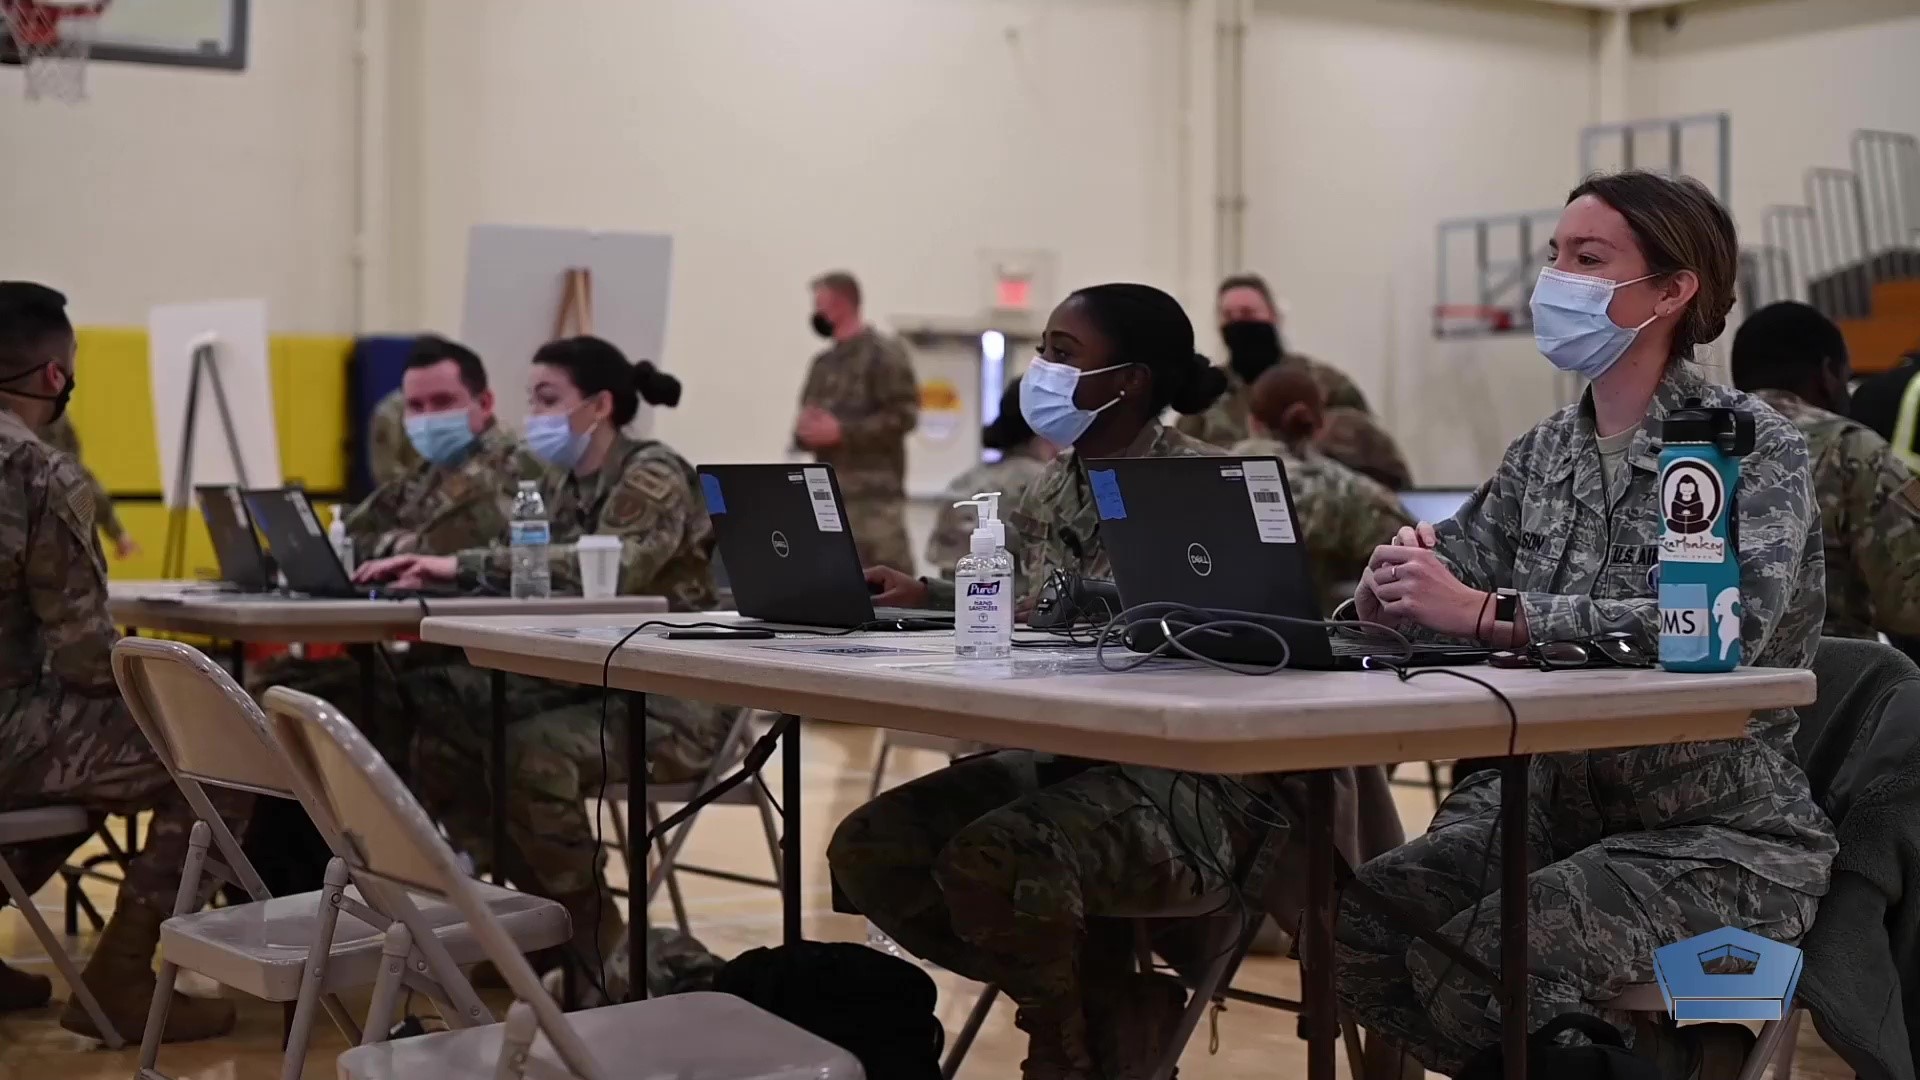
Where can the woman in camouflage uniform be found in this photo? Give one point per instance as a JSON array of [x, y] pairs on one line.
[[1023, 457], [581, 393], [1629, 849], [1001, 867]]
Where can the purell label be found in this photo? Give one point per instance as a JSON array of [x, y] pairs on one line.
[[985, 610], [1691, 497]]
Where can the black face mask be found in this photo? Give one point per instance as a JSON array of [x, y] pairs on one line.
[[59, 400], [1252, 347], [821, 326]]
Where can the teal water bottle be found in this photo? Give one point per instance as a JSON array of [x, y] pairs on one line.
[[1700, 606]]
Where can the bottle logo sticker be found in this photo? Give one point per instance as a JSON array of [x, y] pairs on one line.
[[1683, 622], [984, 588], [1690, 500], [1726, 620]]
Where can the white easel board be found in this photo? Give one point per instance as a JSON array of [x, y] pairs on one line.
[[516, 277], [238, 330]]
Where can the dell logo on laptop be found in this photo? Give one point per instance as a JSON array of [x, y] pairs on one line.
[[780, 547], [1200, 559]]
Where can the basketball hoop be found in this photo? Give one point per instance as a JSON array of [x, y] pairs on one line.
[[1471, 320], [54, 39]]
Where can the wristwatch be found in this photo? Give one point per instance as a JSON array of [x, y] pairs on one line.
[[1506, 605]]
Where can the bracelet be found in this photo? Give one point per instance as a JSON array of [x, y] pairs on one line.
[[1477, 635]]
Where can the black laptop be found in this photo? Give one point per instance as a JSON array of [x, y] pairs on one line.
[[299, 544], [790, 557], [243, 566], [1221, 534]]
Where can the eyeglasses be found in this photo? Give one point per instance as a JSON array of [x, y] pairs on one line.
[[1607, 650]]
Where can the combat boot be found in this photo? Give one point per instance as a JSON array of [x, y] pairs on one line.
[[23, 990], [1694, 1052], [1131, 1020], [1056, 1049], [120, 974]]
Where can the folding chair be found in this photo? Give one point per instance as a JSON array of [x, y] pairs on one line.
[[392, 849], [48, 823], [667, 867], [296, 950], [1776, 1046]]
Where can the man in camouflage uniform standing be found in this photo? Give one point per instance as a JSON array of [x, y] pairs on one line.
[[858, 406], [1795, 359], [389, 453], [1250, 328], [60, 436], [66, 738]]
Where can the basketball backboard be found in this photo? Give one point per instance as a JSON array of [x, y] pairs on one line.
[[182, 33]]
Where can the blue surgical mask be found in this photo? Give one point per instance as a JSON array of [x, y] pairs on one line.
[[1046, 400], [552, 440], [1571, 326], [441, 437]]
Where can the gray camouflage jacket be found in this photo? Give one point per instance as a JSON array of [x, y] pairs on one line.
[[1582, 567]]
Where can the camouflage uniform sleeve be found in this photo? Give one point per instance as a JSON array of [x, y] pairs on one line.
[[950, 538], [648, 511], [65, 574], [389, 454], [1340, 391], [1025, 520], [896, 402], [1479, 542], [61, 435], [1883, 500], [370, 525]]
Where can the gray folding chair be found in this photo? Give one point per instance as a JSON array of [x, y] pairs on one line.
[[392, 848], [296, 950], [49, 823], [1776, 1045], [667, 866]]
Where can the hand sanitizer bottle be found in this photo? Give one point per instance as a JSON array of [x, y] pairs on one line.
[[341, 543], [983, 587]]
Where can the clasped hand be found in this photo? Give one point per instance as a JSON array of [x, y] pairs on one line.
[[1407, 586]]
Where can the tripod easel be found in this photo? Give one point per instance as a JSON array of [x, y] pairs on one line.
[[576, 304], [174, 557]]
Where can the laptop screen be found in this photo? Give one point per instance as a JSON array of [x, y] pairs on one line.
[[1435, 504], [298, 542], [234, 543]]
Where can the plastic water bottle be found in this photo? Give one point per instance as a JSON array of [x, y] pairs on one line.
[[1700, 605], [530, 535], [983, 587]]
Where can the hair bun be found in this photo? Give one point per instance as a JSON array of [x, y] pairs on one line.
[[656, 387], [1199, 386]]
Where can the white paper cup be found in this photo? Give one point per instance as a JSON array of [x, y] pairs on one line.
[[599, 566]]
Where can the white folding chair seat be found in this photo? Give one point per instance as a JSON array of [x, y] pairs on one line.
[[50, 823], [261, 949], [394, 851], [295, 950], [683, 1037]]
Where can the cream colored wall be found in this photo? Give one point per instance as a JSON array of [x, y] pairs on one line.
[[1371, 121], [777, 140], [1799, 77], [174, 184]]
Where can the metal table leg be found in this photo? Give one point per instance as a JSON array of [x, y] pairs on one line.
[[497, 768], [363, 656], [238, 661], [1513, 915], [638, 924], [790, 831], [1319, 1012]]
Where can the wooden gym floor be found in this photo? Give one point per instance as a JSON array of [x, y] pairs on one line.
[[729, 919]]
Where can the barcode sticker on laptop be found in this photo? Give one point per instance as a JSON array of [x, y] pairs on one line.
[[820, 494], [1269, 498]]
